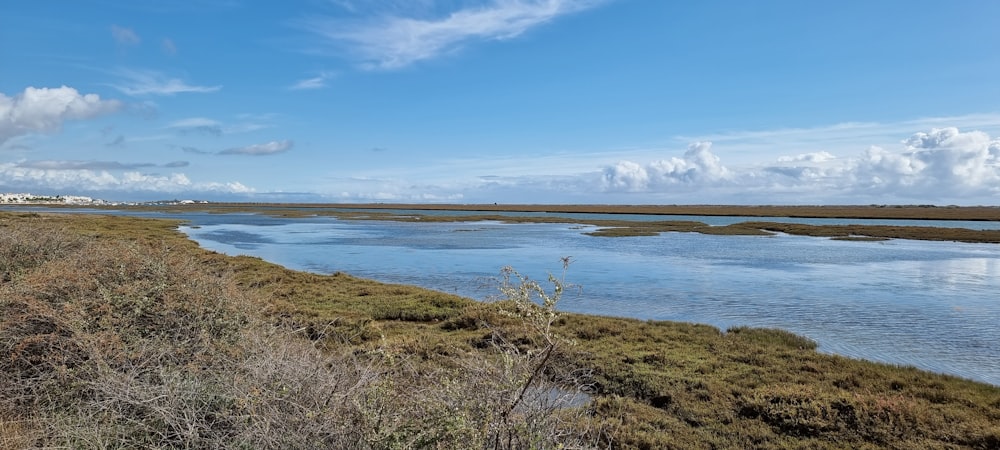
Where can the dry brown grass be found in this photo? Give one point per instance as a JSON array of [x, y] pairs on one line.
[[17, 433], [111, 343]]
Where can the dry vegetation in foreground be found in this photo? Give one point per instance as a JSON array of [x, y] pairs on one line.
[[118, 332]]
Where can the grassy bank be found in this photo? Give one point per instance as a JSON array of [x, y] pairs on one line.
[[120, 332]]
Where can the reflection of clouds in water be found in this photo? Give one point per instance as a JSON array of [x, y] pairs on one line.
[[961, 271]]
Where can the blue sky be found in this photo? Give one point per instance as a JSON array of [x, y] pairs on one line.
[[511, 101]]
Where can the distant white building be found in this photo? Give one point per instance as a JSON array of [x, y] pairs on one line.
[[79, 200], [24, 198], [15, 198]]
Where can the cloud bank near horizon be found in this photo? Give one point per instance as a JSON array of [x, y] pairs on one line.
[[944, 164], [97, 177]]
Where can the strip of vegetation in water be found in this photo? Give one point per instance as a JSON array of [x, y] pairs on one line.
[[119, 329], [910, 212], [626, 228]]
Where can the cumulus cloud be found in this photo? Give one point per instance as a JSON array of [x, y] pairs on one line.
[[43, 110], [268, 148], [699, 166], [626, 176], [942, 165], [948, 137], [942, 160], [149, 82], [124, 36], [394, 41]]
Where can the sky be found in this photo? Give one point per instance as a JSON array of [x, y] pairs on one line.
[[503, 101]]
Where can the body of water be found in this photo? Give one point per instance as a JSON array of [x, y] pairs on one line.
[[932, 305]]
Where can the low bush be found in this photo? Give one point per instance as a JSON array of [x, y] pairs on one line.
[[129, 344]]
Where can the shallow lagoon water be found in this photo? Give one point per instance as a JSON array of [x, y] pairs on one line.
[[932, 305]]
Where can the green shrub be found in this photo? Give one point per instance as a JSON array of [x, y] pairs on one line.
[[772, 337]]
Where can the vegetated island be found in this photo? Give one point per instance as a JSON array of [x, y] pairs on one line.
[[625, 228], [120, 332]]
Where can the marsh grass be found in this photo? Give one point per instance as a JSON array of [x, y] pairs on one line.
[[627, 228], [772, 337], [118, 332], [881, 232]]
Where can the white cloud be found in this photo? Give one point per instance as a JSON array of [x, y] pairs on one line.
[[317, 82], [943, 165], [124, 36], [63, 178], [940, 162], [814, 157], [698, 166], [394, 41], [268, 148], [948, 137], [626, 176], [148, 82], [43, 110]]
